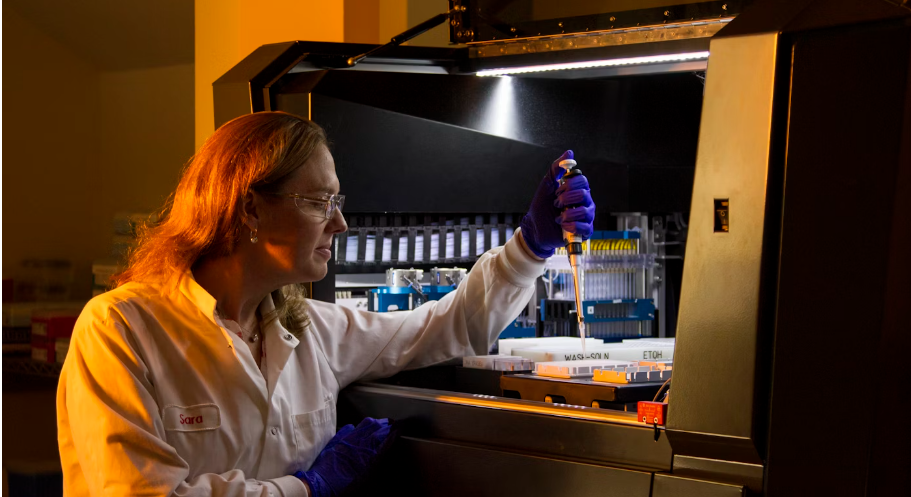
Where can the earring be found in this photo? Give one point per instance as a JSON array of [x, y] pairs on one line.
[[253, 237]]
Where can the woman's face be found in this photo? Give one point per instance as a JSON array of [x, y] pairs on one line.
[[296, 235]]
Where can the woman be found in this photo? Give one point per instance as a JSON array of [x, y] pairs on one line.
[[207, 372]]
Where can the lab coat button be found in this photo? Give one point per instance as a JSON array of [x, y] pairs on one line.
[[288, 336], [275, 431]]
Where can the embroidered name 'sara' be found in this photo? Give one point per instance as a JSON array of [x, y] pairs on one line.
[[199, 417], [190, 420]]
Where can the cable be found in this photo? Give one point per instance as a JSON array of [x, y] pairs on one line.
[[660, 389], [680, 220]]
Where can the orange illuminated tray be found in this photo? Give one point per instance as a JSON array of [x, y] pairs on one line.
[[641, 374], [577, 392]]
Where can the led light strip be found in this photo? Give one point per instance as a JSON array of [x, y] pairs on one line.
[[651, 59]]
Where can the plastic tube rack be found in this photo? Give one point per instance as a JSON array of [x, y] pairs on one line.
[[614, 282], [448, 239]]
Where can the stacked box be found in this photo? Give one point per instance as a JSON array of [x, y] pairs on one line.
[[572, 351], [644, 350], [17, 323], [506, 345], [61, 347], [102, 273], [563, 352], [17, 327], [498, 363], [665, 341], [47, 327]]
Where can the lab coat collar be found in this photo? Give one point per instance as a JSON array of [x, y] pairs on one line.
[[206, 303], [198, 295], [279, 344]]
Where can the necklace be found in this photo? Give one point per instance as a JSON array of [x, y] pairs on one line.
[[253, 335]]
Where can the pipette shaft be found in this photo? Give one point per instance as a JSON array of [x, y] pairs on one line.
[[574, 264]]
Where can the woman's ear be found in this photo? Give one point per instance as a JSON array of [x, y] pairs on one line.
[[250, 209]]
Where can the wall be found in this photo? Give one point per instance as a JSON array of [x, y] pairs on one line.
[[51, 153], [146, 136], [421, 10], [229, 30], [79, 145], [393, 18], [361, 24], [398, 15]]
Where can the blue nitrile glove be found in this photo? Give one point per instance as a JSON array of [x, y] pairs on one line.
[[542, 227], [347, 457]]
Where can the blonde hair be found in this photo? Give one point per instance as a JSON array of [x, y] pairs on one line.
[[203, 217]]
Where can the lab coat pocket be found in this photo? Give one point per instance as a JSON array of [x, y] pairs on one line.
[[312, 431]]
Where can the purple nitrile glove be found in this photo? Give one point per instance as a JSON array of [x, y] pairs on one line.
[[347, 457], [542, 227]]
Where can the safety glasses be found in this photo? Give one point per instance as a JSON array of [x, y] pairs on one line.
[[315, 206]]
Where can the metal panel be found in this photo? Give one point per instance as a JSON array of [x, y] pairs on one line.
[[635, 121], [845, 173], [676, 486], [748, 475], [578, 433], [634, 136], [891, 448], [718, 326], [390, 162], [434, 468]]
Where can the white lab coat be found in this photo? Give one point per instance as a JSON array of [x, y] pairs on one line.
[[157, 398]]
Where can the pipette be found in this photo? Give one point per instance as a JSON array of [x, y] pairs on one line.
[[574, 251]]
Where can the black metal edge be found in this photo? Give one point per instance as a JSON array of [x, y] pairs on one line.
[[487, 28], [771, 247], [666, 485], [714, 446], [245, 88], [499, 471], [749, 475], [328, 54], [239, 91]]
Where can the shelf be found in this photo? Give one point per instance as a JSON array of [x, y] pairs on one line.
[[26, 366]]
